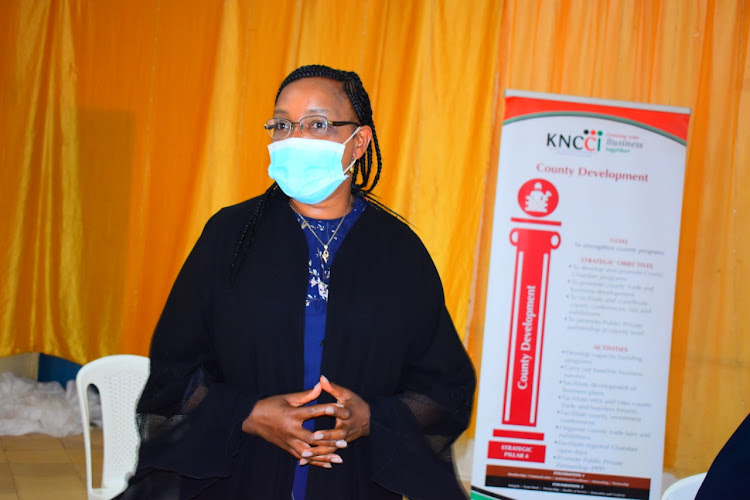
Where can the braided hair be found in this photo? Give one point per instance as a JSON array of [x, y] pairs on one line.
[[360, 101], [362, 169]]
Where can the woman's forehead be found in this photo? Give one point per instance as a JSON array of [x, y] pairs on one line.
[[313, 95]]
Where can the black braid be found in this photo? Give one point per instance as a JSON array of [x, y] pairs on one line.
[[360, 101], [248, 233]]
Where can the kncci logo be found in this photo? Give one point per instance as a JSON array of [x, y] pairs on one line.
[[590, 140]]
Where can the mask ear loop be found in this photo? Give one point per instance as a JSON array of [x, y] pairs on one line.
[[354, 160], [353, 134]]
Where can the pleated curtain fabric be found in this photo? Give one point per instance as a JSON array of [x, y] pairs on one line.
[[125, 125]]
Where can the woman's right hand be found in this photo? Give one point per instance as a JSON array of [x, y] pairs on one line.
[[278, 420]]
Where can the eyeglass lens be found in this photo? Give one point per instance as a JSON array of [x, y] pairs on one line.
[[281, 128]]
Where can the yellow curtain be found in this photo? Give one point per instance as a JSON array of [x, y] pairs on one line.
[[125, 125]]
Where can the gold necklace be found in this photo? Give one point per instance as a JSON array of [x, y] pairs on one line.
[[306, 224]]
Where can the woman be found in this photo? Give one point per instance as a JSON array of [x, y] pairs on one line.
[[305, 350]]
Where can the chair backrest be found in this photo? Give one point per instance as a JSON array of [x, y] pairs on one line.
[[684, 489], [120, 380]]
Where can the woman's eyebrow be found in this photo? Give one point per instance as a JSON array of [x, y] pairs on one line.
[[308, 112]]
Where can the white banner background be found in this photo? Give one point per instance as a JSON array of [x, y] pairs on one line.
[[603, 361]]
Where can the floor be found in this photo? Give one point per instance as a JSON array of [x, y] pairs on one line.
[[41, 467]]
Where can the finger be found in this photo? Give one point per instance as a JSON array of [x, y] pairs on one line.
[[330, 445], [290, 449], [326, 460], [338, 411], [329, 437], [321, 410], [338, 392], [299, 449], [318, 451], [304, 397]]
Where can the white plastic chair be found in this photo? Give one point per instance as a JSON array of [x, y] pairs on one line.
[[684, 489], [120, 380]]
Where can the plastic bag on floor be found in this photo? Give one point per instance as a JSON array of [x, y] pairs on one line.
[[28, 406]]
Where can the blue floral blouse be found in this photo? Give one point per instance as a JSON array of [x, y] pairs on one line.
[[316, 302]]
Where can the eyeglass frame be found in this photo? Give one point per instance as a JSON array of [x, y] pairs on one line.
[[329, 123]]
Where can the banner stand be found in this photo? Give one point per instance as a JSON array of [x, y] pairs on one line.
[[575, 360]]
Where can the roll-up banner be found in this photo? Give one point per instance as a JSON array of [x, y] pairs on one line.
[[575, 360]]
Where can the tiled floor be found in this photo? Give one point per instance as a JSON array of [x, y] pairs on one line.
[[41, 467]]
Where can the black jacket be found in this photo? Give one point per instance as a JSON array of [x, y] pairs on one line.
[[221, 346], [727, 477]]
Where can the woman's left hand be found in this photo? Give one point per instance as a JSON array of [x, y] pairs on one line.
[[356, 425]]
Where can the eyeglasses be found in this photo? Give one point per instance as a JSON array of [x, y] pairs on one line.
[[315, 126]]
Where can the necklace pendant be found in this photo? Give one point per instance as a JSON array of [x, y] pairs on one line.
[[325, 254]]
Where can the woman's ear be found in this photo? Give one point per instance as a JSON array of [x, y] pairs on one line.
[[362, 140]]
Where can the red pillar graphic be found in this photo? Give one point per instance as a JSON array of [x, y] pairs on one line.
[[537, 198], [533, 249]]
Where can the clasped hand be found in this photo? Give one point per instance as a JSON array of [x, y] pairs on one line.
[[278, 420]]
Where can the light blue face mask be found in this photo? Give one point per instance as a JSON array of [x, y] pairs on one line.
[[308, 170]]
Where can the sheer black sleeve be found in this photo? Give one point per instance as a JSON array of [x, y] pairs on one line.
[[186, 409], [411, 433]]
